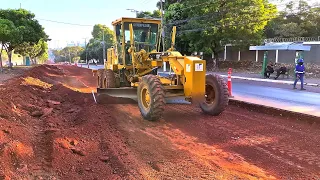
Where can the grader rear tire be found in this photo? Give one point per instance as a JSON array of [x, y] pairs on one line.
[[107, 79], [151, 98], [100, 74], [217, 95]]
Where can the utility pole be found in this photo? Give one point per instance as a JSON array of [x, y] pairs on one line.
[[104, 48], [162, 35], [69, 56], [162, 27], [85, 43]]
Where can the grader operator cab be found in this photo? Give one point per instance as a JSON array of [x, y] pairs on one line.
[[131, 71]]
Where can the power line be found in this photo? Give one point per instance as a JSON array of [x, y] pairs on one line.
[[64, 22], [216, 25], [146, 1], [197, 5], [176, 22]]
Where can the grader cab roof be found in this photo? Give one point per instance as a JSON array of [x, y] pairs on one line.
[[136, 20]]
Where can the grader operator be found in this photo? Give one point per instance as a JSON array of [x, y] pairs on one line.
[[131, 72]]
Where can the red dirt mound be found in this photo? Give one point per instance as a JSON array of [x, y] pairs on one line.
[[50, 128], [40, 112]]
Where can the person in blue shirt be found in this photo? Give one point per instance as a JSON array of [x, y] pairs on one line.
[[300, 71]]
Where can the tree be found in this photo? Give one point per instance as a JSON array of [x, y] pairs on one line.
[[69, 54], [210, 24], [94, 48], [43, 55], [148, 14], [7, 32], [177, 15], [289, 30], [34, 51], [28, 29], [298, 19], [167, 3], [98, 30]]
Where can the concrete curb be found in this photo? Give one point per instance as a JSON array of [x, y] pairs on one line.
[[274, 111], [260, 80], [272, 81]]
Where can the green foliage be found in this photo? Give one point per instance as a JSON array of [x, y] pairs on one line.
[[25, 29], [148, 14], [290, 29], [69, 54], [298, 19], [34, 51], [176, 15], [15, 56], [167, 3], [208, 25], [95, 45], [8, 31], [29, 28], [43, 55], [98, 31]]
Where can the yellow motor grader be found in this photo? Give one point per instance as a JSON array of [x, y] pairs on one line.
[[131, 71]]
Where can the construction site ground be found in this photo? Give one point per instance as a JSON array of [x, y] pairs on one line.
[[10, 73], [51, 128]]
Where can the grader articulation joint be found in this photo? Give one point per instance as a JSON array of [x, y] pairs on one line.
[[131, 71]]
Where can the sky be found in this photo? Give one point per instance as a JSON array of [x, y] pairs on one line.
[[82, 12]]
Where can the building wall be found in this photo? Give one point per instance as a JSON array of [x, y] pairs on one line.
[[312, 56]]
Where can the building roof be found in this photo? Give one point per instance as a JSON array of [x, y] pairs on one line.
[[288, 46], [138, 20]]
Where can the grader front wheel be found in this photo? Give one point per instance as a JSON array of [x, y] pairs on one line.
[[217, 96], [151, 96]]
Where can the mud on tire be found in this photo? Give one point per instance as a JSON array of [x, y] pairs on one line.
[[106, 79], [217, 95], [151, 86], [100, 75]]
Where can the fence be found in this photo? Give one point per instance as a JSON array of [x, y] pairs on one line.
[[233, 54]]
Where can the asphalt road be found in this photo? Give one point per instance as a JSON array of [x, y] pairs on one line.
[[288, 99], [271, 94], [91, 66]]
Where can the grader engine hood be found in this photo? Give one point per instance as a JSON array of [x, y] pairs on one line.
[[195, 78]]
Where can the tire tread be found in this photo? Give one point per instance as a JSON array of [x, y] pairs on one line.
[[157, 95]]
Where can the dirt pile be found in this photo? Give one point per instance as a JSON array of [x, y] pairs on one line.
[[45, 129], [50, 128]]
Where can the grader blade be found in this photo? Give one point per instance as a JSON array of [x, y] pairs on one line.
[[124, 95]]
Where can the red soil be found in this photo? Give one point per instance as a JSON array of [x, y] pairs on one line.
[[51, 128]]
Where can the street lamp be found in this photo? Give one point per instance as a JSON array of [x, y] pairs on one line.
[[133, 10]]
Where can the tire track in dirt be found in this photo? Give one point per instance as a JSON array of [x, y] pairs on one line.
[[300, 153], [210, 157], [306, 156], [159, 158], [276, 150], [44, 153], [43, 149]]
